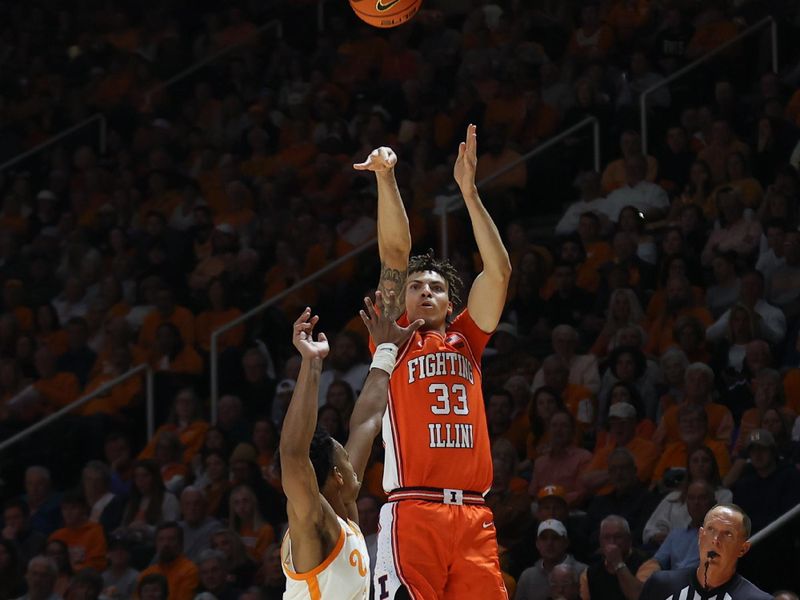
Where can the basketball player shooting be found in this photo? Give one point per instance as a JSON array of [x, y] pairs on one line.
[[324, 554], [437, 539]]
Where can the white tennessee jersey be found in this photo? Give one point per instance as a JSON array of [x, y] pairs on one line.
[[344, 575]]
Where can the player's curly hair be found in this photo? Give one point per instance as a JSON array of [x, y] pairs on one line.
[[442, 266]]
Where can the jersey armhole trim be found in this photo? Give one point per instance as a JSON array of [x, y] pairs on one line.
[[323, 565]]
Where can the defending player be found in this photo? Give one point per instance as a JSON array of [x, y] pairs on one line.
[[437, 538], [324, 554]]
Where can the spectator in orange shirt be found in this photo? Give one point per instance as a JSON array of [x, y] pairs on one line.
[[692, 434], [219, 312], [699, 384], [623, 391], [172, 354], [614, 175], [577, 398], [767, 395], [498, 155], [185, 419], [14, 302], [168, 454], [621, 434], [180, 572], [48, 329], [541, 120], [723, 143], [598, 251], [679, 303], [716, 29], [56, 389], [246, 520], [85, 540], [166, 312]]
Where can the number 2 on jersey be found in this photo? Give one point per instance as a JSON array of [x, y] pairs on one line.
[[458, 392]]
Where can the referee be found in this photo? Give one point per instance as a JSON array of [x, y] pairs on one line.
[[722, 541]]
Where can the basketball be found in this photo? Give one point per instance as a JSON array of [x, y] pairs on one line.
[[385, 13]]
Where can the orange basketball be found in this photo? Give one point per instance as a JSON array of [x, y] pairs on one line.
[[385, 13]]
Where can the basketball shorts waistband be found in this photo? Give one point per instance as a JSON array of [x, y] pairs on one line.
[[440, 496]]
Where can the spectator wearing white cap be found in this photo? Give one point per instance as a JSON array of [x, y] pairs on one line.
[[552, 543]]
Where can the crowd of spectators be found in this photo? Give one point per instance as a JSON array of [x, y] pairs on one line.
[[647, 364]]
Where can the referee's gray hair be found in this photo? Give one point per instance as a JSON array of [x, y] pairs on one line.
[[616, 519]]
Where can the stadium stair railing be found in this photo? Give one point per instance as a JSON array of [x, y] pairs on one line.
[[103, 389], [275, 24], [756, 27], [99, 118]]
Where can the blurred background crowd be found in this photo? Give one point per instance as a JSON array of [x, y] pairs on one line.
[[648, 362]]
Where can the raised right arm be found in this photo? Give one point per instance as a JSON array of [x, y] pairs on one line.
[[394, 236], [297, 473]]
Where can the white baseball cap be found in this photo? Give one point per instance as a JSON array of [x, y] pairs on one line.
[[552, 525], [622, 410]]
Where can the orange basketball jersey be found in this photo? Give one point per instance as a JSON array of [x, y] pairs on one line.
[[434, 428]]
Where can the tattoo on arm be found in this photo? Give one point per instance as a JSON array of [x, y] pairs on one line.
[[392, 280]]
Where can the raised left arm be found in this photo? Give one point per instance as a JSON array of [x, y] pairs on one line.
[[488, 294]]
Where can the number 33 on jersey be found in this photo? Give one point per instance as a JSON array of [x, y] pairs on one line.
[[436, 412]]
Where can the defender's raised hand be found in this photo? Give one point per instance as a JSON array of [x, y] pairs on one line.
[[467, 161], [381, 327], [380, 160], [303, 337]]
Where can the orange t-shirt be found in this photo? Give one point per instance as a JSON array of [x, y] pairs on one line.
[[720, 424], [192, 438], [209, 320], [751, 419], [436, 413], [59, 390], [660, 333], [56, 341], [258, 541], [645, 454], [791, 388], [675, 455], [187, 361], [182, 577], [181, 317], [117, 398], [86, 545]]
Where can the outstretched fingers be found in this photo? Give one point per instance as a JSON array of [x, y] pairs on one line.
[[472, 140]]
